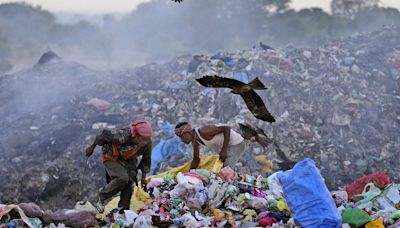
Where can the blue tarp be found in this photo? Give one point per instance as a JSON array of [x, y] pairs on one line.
[[166, 148], [308, 197]]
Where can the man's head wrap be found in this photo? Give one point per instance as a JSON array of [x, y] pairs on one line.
[[141, 127], [183, 129]]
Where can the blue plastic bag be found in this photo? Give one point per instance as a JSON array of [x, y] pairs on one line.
[[166, 148], [308, 197]]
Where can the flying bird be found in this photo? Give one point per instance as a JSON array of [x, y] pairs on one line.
[[179, 1], [253, 101], [256, 134]]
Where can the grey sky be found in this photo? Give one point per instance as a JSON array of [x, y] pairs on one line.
[[108, 6]]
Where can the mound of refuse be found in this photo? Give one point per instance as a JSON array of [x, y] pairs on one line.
[[338, 104], [215, 197]]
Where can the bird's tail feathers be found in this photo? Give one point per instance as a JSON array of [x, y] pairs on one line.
[[257, 84]]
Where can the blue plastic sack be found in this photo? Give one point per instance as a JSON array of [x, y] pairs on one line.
[[308, 197], [166, 148]]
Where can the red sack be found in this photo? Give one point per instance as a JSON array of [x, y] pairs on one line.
[[380, 180]]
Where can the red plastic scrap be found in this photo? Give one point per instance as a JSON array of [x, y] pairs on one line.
[[380, 179], [393, 63]]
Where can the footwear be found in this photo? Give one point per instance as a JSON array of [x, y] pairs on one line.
[[99, 205], [121, 210]]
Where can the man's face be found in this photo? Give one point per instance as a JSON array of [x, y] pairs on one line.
[[186, 138]]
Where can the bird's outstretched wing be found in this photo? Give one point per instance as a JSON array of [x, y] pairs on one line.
[[219, 82], [256, 105]]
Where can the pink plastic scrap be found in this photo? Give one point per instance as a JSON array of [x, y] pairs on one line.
[[228, 174]]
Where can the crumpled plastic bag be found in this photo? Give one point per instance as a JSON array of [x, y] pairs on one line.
[[275, 186], [31, 210], [143, 221], [375, 224], [187, 179], [228, 174], [74, 218], [197, 200], [257, 203], [355, 217], [155, 182], [216, 195], [99, 104]]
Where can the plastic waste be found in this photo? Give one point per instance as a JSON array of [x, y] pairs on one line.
[[389, 198], [36, 222], [99, 104], [394, 216], [31, 210], [231, 190], [275, 186], [369, 193], [228, 174], [340, 197], [307, 196], [267, 221], [380, 180], [378, 223], [355, 217]]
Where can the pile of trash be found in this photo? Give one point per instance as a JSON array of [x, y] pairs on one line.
[[338, 104], [225, 198]]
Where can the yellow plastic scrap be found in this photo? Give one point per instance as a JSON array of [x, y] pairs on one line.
[[375, 224], [282, 206], [267, 164], [210, 163], [249, 215], [218, 214], [140, 198]]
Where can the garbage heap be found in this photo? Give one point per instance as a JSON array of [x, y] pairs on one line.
[[338, 104], [202, 198]]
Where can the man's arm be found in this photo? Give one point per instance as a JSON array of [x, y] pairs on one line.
[[106, 136], [145, 163], [227, 136], [196, 155]]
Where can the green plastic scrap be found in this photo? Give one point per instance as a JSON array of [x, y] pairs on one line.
[[6, 218], [394, 216], [265, 181], [115, 109], [176, 201], [174, 212], [355, 217], [168, 178], [244, 196], [36, 222], [231, 190], [117, 224], [249, 212]]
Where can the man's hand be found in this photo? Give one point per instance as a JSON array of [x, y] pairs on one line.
[[223, 155], [195, 163], [143, 182], [89, 151]]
